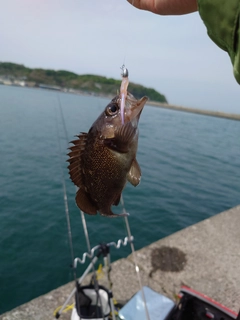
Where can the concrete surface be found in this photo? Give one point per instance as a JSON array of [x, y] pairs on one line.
[[212, 249], [207, 256]]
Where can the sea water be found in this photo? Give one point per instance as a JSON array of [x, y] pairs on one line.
[[190, 171]]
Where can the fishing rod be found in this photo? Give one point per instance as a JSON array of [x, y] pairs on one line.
[[135, 260]]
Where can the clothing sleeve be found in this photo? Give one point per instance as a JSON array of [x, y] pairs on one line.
[[222, 20]]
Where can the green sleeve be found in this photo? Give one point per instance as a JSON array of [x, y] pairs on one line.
[[222, 20]]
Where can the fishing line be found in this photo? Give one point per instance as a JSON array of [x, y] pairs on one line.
[[65, 199], [128, 36], [63, 121]]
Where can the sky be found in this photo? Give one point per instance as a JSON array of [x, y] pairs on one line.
[[172, 54]]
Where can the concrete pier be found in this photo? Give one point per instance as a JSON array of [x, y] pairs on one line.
[[204, 256]]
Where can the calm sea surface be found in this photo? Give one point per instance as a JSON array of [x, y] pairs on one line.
[[190, 171]]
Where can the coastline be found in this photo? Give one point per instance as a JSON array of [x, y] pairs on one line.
[[218, 114]]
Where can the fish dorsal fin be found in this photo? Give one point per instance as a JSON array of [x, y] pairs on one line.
[[134, 174], [123, 135], [85, 203], [75, 161]]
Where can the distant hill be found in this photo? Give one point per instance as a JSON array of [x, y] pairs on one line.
[[64, 79]]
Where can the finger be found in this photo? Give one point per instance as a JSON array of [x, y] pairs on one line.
[[143, 4], [166, 7]]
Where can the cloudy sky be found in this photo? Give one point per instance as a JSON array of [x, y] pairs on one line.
[[170, 54]]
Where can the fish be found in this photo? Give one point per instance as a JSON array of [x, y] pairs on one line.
[[104, 159]]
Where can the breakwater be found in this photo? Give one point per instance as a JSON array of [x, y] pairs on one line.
[[218, 114], [207, 259]]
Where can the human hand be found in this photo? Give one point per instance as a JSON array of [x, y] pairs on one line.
[[166, 7]]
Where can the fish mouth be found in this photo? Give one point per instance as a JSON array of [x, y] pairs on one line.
[[133, 107]]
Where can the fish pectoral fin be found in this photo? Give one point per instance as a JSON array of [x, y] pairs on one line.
[[123, 136], [84, 203], [134, 174], [75, 159]]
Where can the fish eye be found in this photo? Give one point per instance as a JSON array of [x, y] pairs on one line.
[[112, 109]]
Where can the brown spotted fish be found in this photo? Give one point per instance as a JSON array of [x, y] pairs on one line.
[[104, 159]]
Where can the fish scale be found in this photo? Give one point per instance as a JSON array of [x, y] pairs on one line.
[[100, 161]]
